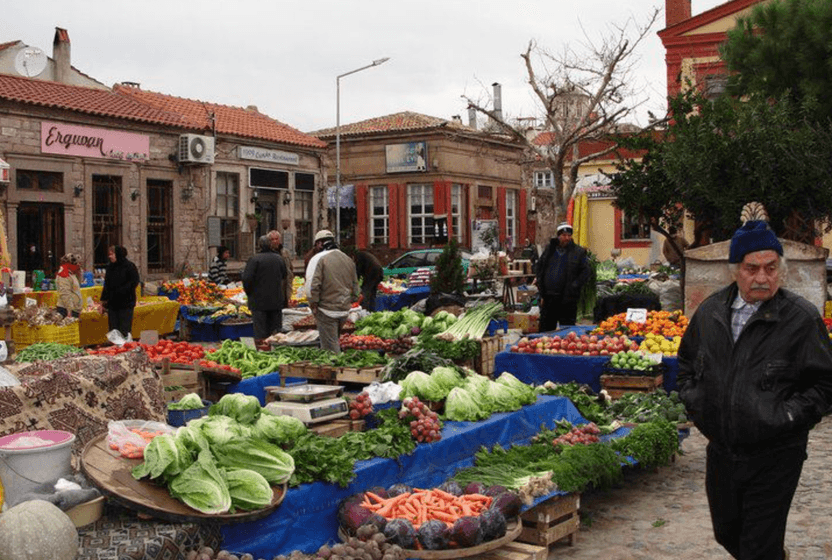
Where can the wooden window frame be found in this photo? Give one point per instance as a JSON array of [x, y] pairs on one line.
[[425, 216], [383, 217]]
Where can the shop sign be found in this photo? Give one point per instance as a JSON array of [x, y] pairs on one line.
[[407, 158], [85, 141], [599, 194], [4, 171], [273, 156]]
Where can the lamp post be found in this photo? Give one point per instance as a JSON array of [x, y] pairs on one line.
[[338, 143]]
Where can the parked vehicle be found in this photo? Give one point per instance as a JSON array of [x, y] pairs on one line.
[[419, 258]]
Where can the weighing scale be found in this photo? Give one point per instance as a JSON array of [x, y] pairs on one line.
[[309, 403]]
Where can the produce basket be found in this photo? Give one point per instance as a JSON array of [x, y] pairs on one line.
[[181, 417], [652, 371], [25, 335]]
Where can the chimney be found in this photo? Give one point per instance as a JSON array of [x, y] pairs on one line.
[[472, 117], [62, 56], [456, 119], [252, 109], [498, 100], [676, 11]]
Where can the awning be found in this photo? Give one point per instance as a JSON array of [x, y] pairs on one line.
[[347, 196], [4, 171]]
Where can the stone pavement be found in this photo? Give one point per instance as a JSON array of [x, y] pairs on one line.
[[663, 514]]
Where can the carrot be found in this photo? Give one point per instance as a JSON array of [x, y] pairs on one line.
[[443, 494], [466, 509], [477, 497], [375, 497], [442, 516]]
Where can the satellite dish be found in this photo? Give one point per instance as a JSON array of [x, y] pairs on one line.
[[30, 62]]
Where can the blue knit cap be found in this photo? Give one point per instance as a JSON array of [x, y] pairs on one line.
[[754, 235]]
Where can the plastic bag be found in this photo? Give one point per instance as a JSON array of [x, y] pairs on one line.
[[130, 437], [383, 392], [116, 337]]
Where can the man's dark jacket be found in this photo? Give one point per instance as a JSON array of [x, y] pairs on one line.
[[263, 279], [577, 268], [120, 282], [766, 390], [368, 269]]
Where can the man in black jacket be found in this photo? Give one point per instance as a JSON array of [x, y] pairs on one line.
[[370, 274], [263, 279], [755, 373], [562, 271], [118, 296]]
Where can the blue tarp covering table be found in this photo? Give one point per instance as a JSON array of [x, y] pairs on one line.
[[394, 302], [307, 517]]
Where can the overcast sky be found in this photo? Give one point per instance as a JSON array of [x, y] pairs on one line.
[[284, 56]]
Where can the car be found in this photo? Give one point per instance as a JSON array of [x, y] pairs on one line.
[[419, 258]]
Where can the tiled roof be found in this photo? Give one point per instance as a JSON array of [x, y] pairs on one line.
[[229, 120], [587, 147], [100, 102], [4, 46], [405, 121]]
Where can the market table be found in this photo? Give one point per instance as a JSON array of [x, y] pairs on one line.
[[536, 369], [308, 516], [394, 302], [49, 298], [154, 313]]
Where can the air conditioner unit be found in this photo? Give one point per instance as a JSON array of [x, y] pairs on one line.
[[195, 148]]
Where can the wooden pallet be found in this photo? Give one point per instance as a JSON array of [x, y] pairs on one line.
[[618, 385], [489, 347], [307, 370], [365, 375], [515, 551], [555, 519], [338, 427]]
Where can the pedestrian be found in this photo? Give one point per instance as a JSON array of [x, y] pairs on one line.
[[562, 271], [68, 284], [755, 374], [263, 278], [277, 246], [370, 273], [331, 287], [219, 265], [529, 253], [118, 296], [670, 254]]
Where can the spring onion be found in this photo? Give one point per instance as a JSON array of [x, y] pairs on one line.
[[473, 323]]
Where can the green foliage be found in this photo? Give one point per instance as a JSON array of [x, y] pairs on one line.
[[449, 275], [652, 444], [726, 153], [782, 49]]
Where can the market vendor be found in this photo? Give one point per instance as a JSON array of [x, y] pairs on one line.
[[68, 284], [118, 296], [370, 273], [218, 273], [562, 271]]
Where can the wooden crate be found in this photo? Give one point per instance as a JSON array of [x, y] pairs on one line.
[[178, 380], [489, 347], [364, 375], [338, 427], [555, 519], [618, 385], [515, 551], [307, 370]]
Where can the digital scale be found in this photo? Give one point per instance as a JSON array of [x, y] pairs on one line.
[[309, 403]]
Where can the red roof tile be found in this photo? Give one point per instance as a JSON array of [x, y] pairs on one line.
[[235, 121], [587, 147], [4, 46], [90, 101], [405, 121]]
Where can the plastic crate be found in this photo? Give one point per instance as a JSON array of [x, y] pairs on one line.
[[181, 417], [25, 335], [235, 331], [495, 326], [203, 332]]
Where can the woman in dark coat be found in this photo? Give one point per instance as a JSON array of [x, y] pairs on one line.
[[118, 296], [263, 279]]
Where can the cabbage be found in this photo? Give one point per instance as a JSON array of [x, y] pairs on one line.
[[191, 401], [265, 458], [502, 397], [461, 406], [248, 489], [245, 409], [446, 378], [477, 385], [467, 531], [202, 486], [524, 392], [278, 429], [163, 456], [192, 438], [218, 429], [434, 535], [420, 384]]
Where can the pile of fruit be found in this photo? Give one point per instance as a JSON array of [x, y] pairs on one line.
[[372, 342], [574, 345], [195, 291], [587, 433], [360, 406], [632, 360], [177, 352], [424, 423], [663, 323], [657, 344]]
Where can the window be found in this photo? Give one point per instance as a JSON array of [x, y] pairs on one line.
[[106, 216], [379, 215], [544, 179], [484, 192], [159, 226], [456, 212], [51, 181], [303, 221], [228, 209], [420, 202], [511, 219], [634, 227]]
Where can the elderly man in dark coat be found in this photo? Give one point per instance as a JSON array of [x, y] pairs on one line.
[[370, 274], [263, 279]]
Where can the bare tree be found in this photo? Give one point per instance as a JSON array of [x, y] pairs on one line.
[[582, 97]]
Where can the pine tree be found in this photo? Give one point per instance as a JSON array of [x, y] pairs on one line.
[[449, 276]]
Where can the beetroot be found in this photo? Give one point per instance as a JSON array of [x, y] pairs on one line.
[[352, 515], [467, 531], [475, 488], [377, 520], [434, 535], [495, 490], [401, 532], [397, 489], [379, 491], [451, 487], [493, 524], [508, 503]]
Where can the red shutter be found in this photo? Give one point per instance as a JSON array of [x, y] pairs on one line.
[[404, 212], [501, 213], [522, 218], [466, 215], [392, 212], [440, 198], [362, 216]]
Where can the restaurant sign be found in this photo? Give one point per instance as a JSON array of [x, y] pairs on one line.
[[273, 156], [85, 141]]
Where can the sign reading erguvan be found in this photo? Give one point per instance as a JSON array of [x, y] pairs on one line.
[[85, 141]]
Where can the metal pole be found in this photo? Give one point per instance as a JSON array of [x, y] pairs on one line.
[[338, 143]]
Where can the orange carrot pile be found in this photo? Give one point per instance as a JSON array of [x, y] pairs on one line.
[[421, 506], [131, 450]]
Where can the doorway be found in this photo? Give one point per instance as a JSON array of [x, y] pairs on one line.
[[40, 237]]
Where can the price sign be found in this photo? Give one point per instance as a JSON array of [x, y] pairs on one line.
[[186, 282], [636, 315]]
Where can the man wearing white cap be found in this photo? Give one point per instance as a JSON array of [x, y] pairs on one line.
[[331, 288], [562, 271]]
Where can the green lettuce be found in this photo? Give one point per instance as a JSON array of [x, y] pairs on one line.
[[218, 429], [461, 406], [525, 393], [269, 460], [248, 489], [503, 398], [420, 384], [191, 401], [278, 429], [245, 409], [202, 486], [445, 378], [164, 455]]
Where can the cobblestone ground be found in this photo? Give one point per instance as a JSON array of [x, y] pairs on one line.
[[663, 514]]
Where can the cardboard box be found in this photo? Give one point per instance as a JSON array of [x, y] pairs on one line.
[[526, 322]]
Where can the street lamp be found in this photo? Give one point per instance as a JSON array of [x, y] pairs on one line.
[[338, 143]]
